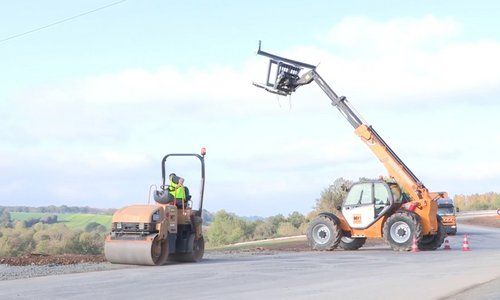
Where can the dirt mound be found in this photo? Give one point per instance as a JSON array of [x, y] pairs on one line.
[[42, 259]]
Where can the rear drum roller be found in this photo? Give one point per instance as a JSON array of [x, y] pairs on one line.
[[433, 242], [195, 256], [401, 228], [323, 233]]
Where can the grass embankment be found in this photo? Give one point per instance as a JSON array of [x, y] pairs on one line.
[[72, 221]]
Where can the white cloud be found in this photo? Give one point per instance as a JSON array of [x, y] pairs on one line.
[[115, 127], [406, 60]]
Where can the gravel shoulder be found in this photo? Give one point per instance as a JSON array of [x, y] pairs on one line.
[[17, 272]]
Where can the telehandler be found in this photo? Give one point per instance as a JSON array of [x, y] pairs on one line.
[[153, 234], [400, 209]]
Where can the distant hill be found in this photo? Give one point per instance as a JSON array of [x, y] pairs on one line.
[[78, 216], [73, 221]]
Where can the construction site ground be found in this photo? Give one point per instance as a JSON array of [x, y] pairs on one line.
[[279, 269]]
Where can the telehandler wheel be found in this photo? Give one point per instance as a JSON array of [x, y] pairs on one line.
[[433, 242], [348, 243], [400, 229], [323, 233]]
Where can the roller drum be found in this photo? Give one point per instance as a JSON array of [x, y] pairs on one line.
[[150, 251]]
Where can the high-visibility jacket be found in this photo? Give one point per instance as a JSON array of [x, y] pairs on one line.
[[177, 190]]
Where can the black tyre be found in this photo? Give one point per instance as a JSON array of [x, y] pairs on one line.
[[195, 256], [323, 233], [400, 229], [433, 242], [348, 243]]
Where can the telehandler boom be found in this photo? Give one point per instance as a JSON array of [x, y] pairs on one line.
[[398, 210]]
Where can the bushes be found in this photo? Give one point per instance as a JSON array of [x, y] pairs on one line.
[[263, 230], [287, 229], [49, 239], [485, 201], [5, 220], [227, 228], [332, 196], [44, 220], [94, 226], [16, 241]]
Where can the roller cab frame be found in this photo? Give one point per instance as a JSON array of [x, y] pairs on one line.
[[154, 234], [397, 209]]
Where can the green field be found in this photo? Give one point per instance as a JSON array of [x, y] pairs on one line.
[[73, 221]]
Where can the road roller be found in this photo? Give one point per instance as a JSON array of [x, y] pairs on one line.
[[168, 230]]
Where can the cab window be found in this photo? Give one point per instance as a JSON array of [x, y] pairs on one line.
[[396, 193], [381, 194], [359, 194]]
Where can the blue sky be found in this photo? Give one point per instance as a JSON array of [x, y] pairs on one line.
[[89, 107]]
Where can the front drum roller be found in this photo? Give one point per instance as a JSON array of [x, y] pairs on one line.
[[150, 251]]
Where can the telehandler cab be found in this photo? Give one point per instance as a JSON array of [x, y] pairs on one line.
[[399, 209]]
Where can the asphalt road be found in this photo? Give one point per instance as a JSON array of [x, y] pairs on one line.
[[369, 273]]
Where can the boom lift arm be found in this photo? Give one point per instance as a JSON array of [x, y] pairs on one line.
[[288, 80]]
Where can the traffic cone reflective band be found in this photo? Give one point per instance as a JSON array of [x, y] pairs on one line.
[[465, 244], [447, 244], [414, 247]]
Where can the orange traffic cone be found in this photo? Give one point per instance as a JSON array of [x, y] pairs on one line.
[[414, 247], [446, 244], [465, 244]]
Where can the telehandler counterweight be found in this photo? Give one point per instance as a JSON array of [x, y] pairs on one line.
[[398, 209]]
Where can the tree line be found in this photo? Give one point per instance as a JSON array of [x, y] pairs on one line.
[[62, 209], [484, 201], [227, 228], [51, 239]]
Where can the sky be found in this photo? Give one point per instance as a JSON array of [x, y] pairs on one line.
[[89, 107]]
